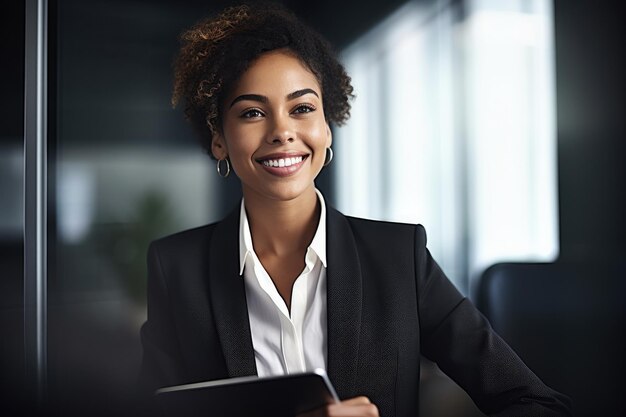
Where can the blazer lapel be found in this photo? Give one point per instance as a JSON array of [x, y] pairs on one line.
[[344, 297], [228, 297]]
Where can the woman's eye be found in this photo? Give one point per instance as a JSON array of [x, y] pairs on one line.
[[252, 113], [304, 108]]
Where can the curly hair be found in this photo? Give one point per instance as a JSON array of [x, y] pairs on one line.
[[216, 51]]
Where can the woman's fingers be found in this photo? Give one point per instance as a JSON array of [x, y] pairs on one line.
[[353, 407], [356, 401]]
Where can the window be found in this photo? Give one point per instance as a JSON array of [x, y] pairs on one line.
[[454, 127]]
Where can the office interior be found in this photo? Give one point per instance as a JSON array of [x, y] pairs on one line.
[[503, 134]]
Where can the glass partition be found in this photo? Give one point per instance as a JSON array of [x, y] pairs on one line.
[[127, 170]]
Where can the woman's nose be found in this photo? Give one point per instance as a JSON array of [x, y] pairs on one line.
[[281, 131]]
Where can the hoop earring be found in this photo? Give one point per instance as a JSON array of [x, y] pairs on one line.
[[329, 156], [219, 167]]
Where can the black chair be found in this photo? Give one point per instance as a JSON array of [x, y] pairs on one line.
[[566, 321]]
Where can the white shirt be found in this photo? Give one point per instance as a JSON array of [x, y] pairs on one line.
[[286, 343]]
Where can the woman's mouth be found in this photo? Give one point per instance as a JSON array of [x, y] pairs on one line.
[[282, 166], [282, 162]]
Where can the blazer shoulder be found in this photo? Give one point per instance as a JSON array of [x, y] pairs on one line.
[[185, 239], [387, 232]]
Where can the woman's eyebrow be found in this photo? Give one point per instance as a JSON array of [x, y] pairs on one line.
[[252, 97], [300, 93]]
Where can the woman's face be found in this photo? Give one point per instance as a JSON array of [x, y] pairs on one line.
[[274, 130]]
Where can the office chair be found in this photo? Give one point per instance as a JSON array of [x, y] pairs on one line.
[[566, 321]]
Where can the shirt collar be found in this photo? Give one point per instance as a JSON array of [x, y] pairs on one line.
[[318, 244]]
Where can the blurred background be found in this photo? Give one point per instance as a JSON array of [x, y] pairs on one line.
[[498, 124]]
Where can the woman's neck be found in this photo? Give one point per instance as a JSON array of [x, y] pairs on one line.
[[280, 228]]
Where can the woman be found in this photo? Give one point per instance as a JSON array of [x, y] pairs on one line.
[[285, 283]]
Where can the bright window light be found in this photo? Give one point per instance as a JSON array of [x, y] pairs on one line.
[[454, 127]]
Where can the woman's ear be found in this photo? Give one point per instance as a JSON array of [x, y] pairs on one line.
[[329, 134], [218, 147]]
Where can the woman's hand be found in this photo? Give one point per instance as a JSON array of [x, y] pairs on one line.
[[353, 407]]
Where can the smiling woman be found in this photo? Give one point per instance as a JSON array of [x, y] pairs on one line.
[[272, 120], [286, 284]]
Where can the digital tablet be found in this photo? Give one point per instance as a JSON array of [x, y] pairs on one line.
[[277, 396]]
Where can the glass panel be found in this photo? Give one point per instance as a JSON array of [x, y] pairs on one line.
[[128, 170]]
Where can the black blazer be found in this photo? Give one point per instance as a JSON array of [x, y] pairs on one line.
[[388, 302]]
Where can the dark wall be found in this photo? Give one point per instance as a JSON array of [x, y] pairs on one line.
[[12, 71], [11, 246], [591, 128]]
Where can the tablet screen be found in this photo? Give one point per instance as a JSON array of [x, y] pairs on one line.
[[278, 396]]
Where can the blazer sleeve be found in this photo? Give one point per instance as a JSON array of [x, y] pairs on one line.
[[160, 364], [456, 336]]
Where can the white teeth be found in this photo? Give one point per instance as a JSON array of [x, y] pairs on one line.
[[283, 162]]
